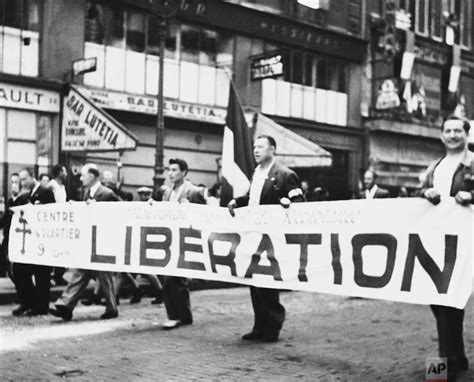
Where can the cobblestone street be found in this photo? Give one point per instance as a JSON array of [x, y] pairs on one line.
[[325, 338]]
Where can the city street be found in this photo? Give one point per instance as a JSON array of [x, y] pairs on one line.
[[325, 337]]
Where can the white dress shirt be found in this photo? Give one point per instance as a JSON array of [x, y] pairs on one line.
[[444, 172], [259, 176]]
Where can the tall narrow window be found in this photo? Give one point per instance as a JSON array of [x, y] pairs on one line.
[[208, 48], [466, 21], [114, 27], [189, 43], [94, 24], [322, 79], [436, 11], [297, 68], [135, 31], [421, 17]]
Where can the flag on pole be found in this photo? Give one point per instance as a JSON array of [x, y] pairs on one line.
[[237, 154]]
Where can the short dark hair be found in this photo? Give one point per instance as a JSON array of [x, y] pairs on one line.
[[57, 170], [465, 123], [183, 166], [14, 174], [270, 140]]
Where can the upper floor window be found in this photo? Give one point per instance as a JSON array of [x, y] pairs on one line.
[[19, 37], [430, 19], [315, 71], [127, 47]]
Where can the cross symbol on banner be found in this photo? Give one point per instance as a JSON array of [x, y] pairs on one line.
[[23, 230]]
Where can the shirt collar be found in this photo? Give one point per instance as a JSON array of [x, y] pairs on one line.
[[94, 189], [266, 171], [35, 188]]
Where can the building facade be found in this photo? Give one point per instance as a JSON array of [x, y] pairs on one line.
[[317, 94], [405, 102]]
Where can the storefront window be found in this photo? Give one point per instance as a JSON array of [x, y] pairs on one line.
[[322, 79], [297, 68], [135, 31], [94, 24], [225, 49]]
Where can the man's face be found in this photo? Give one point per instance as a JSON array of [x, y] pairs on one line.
[[44, 180], [369, 180], [453, 136], [108, 179], [175, 173], [86, 177], [63, 174], [26, 180], [262, 151], [15, 184]]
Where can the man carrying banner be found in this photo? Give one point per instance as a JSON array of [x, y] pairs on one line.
[[34, 297], [177, 302], [272, 183], [452, 175], [80, 279]]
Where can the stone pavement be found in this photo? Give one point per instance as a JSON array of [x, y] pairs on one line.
[[325, 338]]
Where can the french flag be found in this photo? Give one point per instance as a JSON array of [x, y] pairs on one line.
[[237, 154]]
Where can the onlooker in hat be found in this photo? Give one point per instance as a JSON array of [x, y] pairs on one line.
[[144, 193]]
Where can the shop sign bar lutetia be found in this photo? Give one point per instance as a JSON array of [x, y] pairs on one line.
[[86, 127], [149, 105]]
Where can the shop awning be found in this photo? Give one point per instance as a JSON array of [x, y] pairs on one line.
[[292, 149]]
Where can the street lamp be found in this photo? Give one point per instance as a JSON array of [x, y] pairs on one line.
[[163, 10]]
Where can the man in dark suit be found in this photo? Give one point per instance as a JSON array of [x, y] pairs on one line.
[[34, 297], [372, 190], [80, 278], [16, 199], [176, 292], [451, 176], [272, 183]]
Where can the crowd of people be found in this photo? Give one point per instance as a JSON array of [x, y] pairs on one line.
[[272, 183]]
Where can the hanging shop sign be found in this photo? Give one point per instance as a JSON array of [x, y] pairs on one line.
[[22, 97], [149, 105], [268, 66], [86, 127]]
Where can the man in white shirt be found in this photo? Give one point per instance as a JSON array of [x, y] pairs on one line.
[[58, 183], [451, 176], [272, 183]]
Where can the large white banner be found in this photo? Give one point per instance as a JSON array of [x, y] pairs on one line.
[[400, 249]]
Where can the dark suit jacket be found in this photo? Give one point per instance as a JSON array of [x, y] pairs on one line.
[[380, 193], [189, 193], [280, 183], [42, 195], [463, 178], [6, 220], [103, 194]]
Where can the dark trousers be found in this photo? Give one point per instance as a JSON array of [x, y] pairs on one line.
[[177, 301], [269, 313], [33, 295], [449, 322]]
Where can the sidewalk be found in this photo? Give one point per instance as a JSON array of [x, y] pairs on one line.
[[325, 338]]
